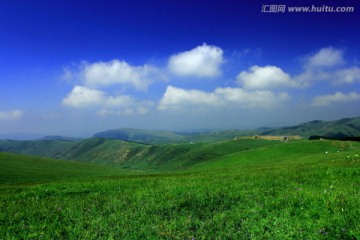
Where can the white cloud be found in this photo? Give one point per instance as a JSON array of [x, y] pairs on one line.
[[122, 100], [11, 115], [141, 110], [81, 97], [350, 75], [338, 97], [310, 76], [202, 61], [178, 98], [325, 57], [268, 77], [96, 79], [67, 75], [115, 72], [252, 99], [321, 67], [341, 76]]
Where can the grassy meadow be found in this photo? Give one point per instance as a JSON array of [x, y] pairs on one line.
[[239, 190]]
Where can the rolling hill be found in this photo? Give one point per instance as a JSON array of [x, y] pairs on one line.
[[118, 156], [130, 155], [95, 150], [161, 137], [177, 151]]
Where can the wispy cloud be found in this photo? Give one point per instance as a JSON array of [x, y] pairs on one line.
[[325, 65], [338, 97], [11, 115], [347, 76], [140, 110]]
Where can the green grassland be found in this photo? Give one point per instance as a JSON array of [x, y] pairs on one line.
[[247, 189], [26, 169]]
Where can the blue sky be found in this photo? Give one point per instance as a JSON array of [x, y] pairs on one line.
[[78, 67]]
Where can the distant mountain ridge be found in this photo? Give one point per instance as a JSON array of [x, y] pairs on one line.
[[61, 138], [343, 128], [338, 129]]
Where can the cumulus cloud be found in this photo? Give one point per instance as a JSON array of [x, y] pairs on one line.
[[115, 72], [11, 115], [338, 97], [178, 98], [259, 86], [268, 77], [325, 57], [83, 97], [96, 82], [202, 61]]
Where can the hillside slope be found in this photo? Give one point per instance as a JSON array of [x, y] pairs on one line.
[[129, 155], [295, 153], [166, 137], [16, 168], [242, 154], [94, 150], [141, 136]]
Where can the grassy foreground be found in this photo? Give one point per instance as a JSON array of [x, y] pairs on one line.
[[288, 191]]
